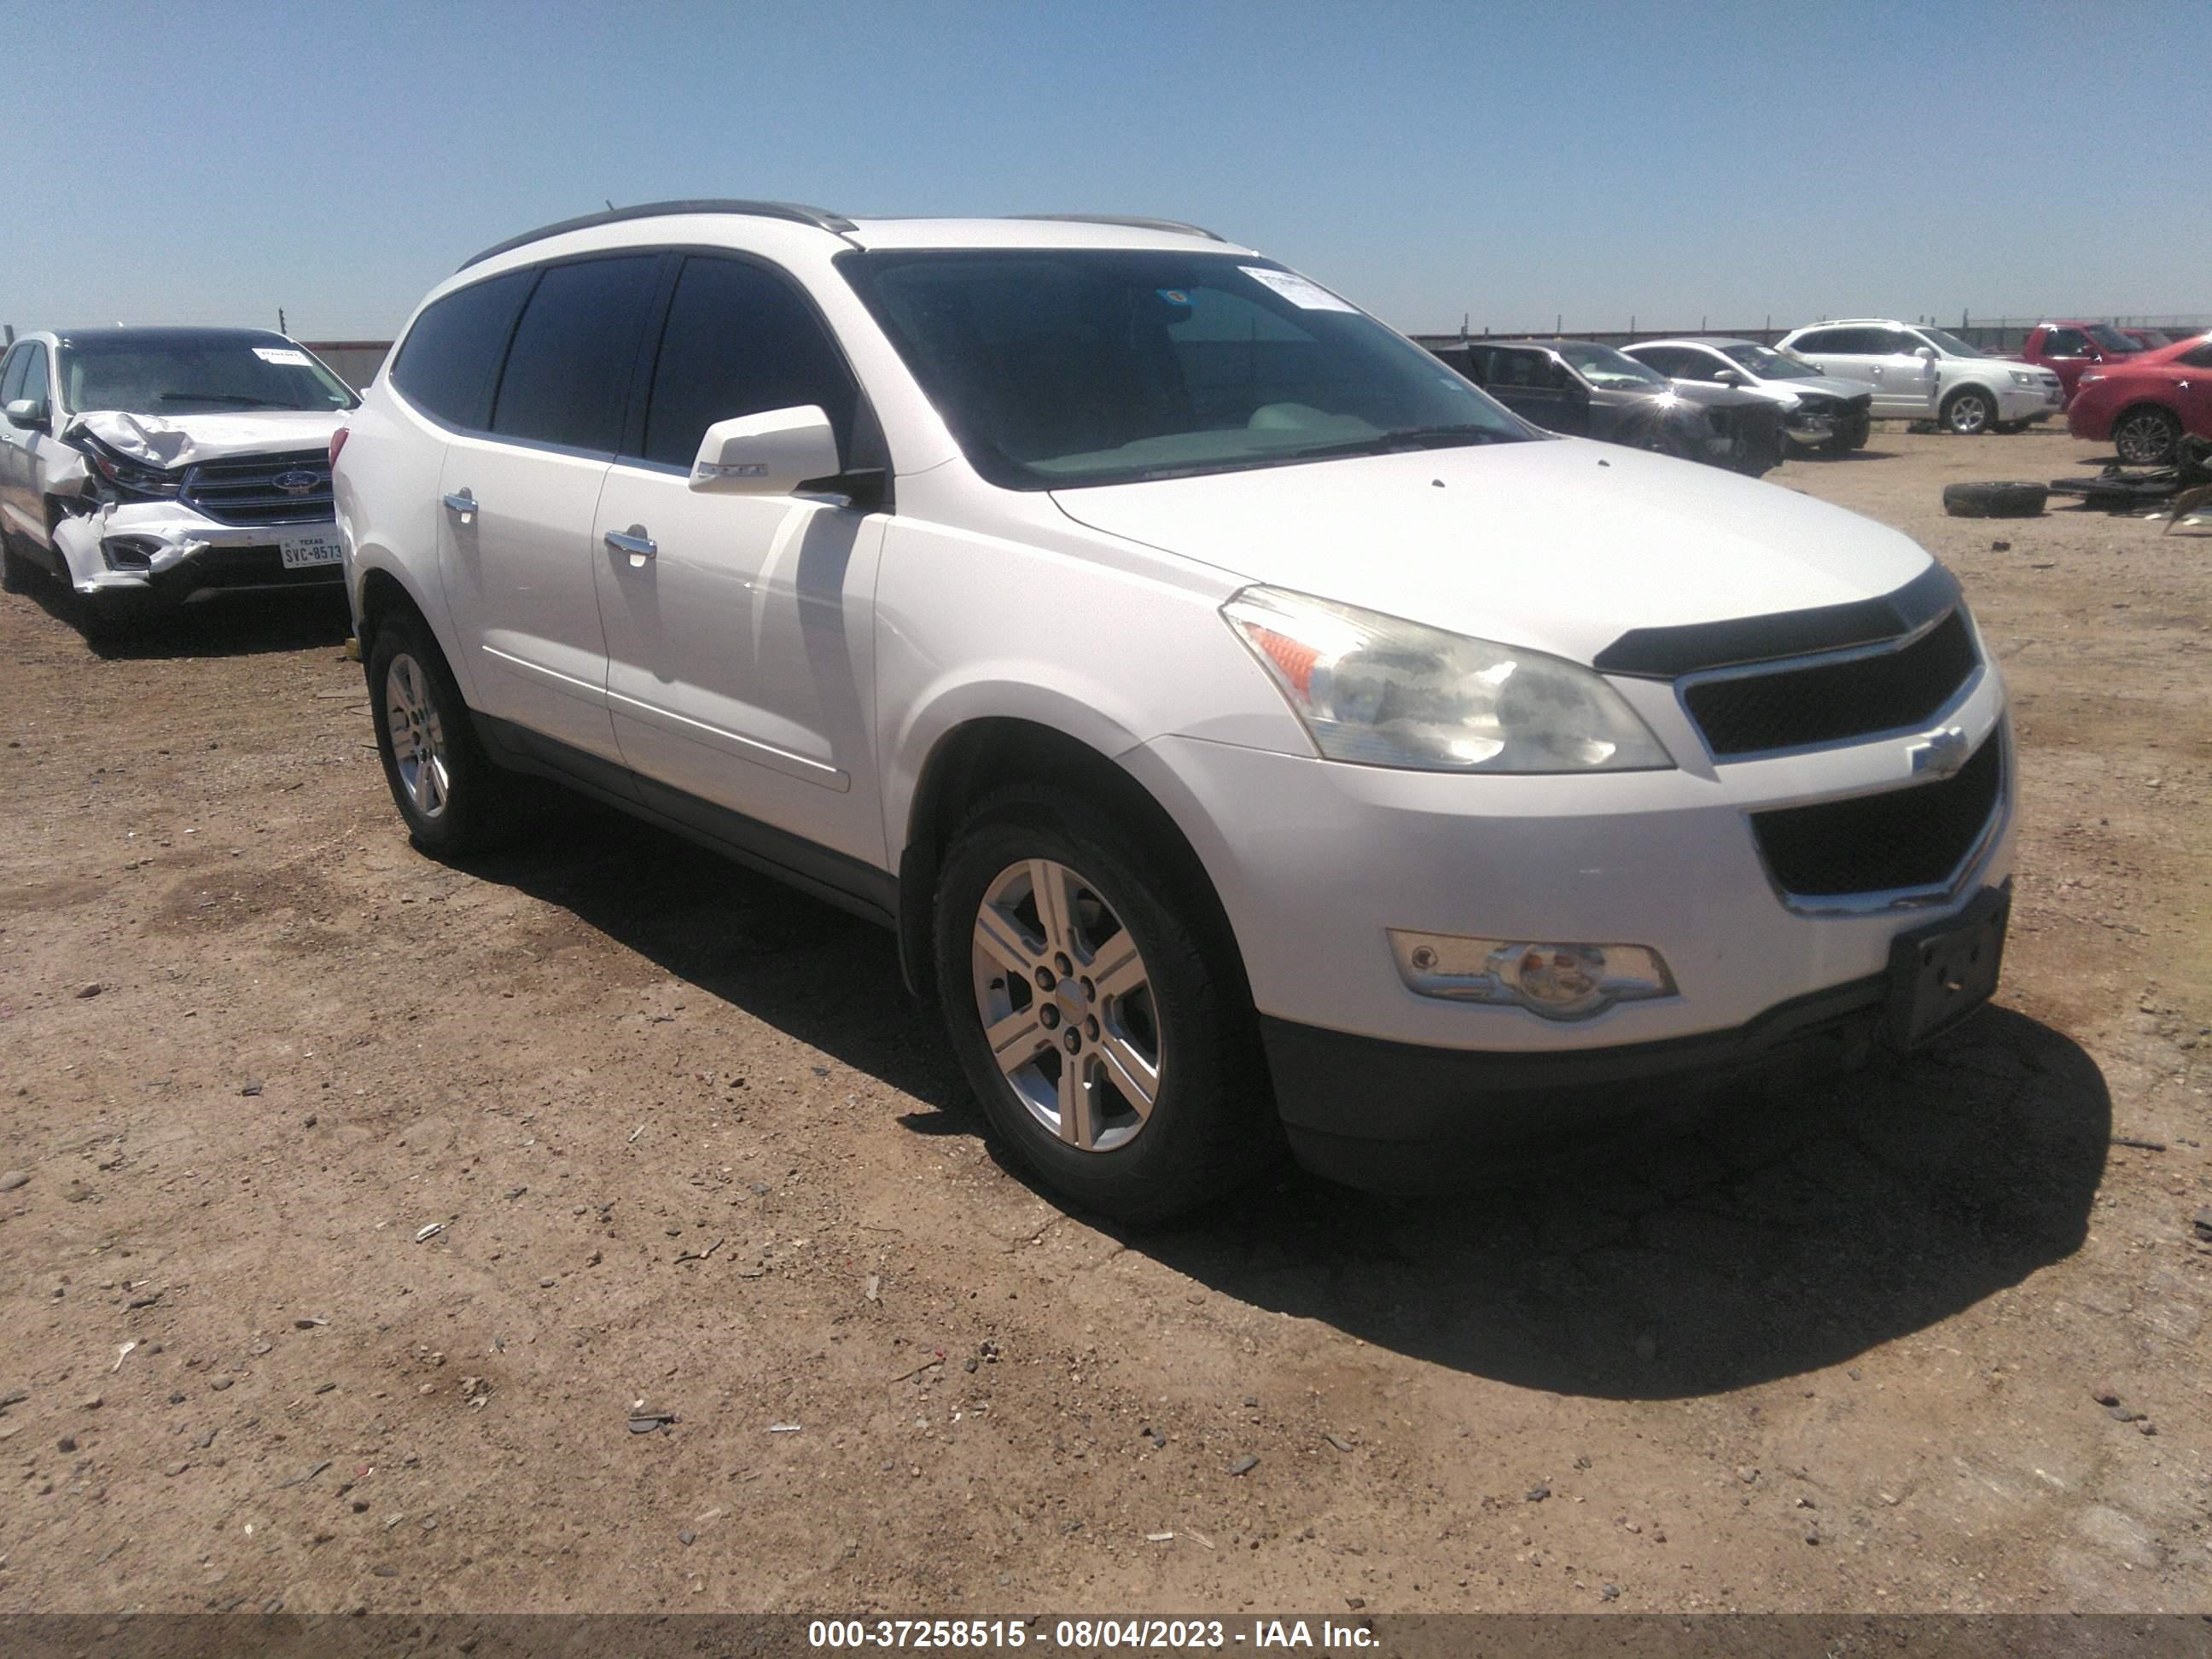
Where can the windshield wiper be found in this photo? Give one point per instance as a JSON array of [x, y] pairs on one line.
[[237, 398], [1424, 437]]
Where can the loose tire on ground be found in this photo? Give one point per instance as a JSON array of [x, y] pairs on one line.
[[1142, 996], [1996, 501], [454, 798], [1970, 412]]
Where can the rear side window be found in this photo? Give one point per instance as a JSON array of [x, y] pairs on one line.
[[449, 362], [2200, 358], [1844, 341], [568, 373], [739, 341], [1672, 359], [2065, 342]]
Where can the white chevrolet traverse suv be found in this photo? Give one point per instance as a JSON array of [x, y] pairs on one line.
[[1248, 728]]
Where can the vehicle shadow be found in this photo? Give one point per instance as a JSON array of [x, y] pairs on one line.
[[1775, 1234], [247, 625]]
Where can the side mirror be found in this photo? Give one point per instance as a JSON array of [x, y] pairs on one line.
[[769, 455], [29, 413], [1926, 354], [1728, 376]]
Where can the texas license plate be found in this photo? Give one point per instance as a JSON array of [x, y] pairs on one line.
[[305, 547], [1940, 975]]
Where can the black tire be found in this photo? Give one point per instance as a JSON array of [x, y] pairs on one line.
[[1211, 1126], [1970, 412], [2146, 435], [15, 569], [467, 803], [1996, 501], [2012, 428]]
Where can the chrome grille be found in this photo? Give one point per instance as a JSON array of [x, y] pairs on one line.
[[244, 488]]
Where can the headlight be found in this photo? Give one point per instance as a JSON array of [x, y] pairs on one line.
[[132, 479], [2021, 378], [1382, 692]]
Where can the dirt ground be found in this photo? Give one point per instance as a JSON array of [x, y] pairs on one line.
[[693, 1151]]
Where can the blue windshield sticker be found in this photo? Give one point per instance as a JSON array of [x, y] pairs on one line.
[[1174, 296]]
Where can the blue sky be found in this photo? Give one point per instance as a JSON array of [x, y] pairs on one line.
[[195, 163]]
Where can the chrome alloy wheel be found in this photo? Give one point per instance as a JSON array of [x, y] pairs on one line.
[[418, 737], [1066, 1005]]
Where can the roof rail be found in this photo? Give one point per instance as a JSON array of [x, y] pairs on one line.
[[1132, 221], [796, 212]]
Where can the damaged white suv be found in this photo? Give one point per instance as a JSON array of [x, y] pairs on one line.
[[165, 465], [1250, 729]]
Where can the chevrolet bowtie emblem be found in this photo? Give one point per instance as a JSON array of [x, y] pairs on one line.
[[1940, 754]]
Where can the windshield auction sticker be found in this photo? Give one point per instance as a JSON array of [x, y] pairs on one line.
[[1300, 291]]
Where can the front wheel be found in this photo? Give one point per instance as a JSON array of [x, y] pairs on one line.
[[1970, 412], [14, 567], [2147, 436], [1108, 1035], [452, 797]]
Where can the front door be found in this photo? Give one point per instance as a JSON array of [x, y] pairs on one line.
[[739, 628], [1533, 384]]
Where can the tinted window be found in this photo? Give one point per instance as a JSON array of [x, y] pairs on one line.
[[568, 373], [739, 341], [11, 377], [2065, 342], [2200, 358], [1668, 360], [1821, 340], [449, 362]]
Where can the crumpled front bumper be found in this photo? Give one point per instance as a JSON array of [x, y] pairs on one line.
[[166, 551]]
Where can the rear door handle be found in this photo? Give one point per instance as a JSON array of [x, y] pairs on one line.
[[462, 503], [636, 543]]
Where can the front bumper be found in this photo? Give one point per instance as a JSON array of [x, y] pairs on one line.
[[161, 551], [1340, 855], [1394, 1117], [2029, 403]]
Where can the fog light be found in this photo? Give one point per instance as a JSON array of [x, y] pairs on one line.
[[1559, 981]]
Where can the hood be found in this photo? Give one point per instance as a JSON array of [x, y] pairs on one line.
[[1708, 395], [1559, 545], [173, 441], [1824, 385]]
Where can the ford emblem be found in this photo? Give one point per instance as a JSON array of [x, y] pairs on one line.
[[296, 483]]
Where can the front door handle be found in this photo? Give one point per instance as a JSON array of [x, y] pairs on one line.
[[462, 503], [634, 542]]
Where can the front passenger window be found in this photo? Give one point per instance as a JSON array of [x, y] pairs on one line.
[[740, 341], [11, 377]]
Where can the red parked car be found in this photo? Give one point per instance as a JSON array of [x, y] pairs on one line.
[[2143, 404]]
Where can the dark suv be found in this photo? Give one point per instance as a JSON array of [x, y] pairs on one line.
[[1591, 390]]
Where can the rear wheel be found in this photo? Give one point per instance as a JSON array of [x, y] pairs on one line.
[[1970, 411], [453, 798], [2146, 435], [1110, 1041]]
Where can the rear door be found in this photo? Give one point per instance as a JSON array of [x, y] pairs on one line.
[[740, 628], [516, 548]]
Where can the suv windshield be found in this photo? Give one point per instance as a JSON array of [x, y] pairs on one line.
[[1609, 370], [1769, 364], [2108, 339], [195, 374], [1056, 367], [1949, 344]]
